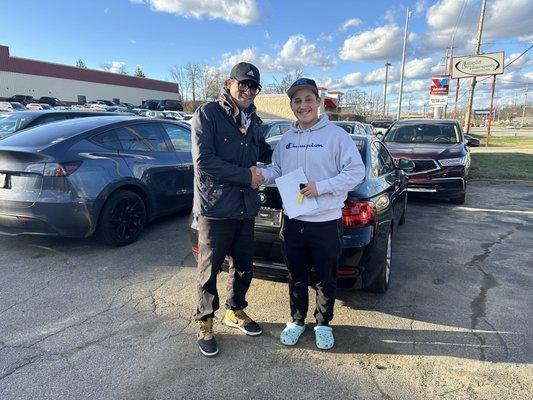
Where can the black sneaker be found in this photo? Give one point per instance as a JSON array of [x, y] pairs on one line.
[[206, 341], [238, 319]]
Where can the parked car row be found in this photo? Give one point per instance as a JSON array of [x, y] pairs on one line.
[[109, 175]]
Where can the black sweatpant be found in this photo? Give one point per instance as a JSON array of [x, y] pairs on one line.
[[306, 245], [218, 238]]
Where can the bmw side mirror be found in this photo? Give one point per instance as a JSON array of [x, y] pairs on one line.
[[406, 165]]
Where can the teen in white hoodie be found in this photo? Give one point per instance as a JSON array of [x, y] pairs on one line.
[[333, 167]]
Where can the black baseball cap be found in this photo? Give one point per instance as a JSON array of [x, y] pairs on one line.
[[244, 71], [302, 83]]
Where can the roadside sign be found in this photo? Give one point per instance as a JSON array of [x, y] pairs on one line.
[[478, 65], [438, 100], [439, 85]]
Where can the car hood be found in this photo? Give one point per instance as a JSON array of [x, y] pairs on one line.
[[425, 150]]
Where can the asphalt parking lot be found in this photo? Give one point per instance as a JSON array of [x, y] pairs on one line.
[[83, 321]]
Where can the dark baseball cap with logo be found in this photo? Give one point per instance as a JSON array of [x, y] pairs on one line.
[[244, 71], [302, 83]]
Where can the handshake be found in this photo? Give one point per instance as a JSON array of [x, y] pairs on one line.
[[257, 177]]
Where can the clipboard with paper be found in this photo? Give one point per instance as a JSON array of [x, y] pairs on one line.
[[289, 190]]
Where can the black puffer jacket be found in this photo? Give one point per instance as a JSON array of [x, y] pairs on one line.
[[222, 158]]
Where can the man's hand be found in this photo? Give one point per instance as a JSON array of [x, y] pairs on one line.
[[257, 177], [309, 190]]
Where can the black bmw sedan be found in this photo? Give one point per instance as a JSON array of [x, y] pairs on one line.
[[370, 217], [108, 175]]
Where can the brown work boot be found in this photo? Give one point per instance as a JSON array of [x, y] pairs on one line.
[[205, 338], [238, 319]]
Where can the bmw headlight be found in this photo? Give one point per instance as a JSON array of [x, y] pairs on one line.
[[453, 162]]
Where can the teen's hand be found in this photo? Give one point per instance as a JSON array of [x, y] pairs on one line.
[[309, 190], [257, 178]]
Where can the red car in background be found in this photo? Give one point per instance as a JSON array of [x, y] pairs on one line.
[[440, 152]]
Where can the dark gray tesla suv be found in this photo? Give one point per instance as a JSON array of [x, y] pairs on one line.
[[107, 175]]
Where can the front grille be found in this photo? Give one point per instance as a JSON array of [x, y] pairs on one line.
[[424, 166]]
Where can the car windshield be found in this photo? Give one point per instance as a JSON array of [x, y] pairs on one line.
[[423, 133], [348, 127], [12, 123]]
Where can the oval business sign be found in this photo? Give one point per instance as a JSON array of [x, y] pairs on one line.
[[478, 65]]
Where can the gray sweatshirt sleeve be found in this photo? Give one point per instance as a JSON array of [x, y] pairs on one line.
[[273, 170], [350, 165]]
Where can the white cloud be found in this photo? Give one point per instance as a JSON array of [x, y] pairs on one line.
[[132, 41], [503, 19], [349, 23], [266, 35], [509, 18], [390, 17], [420, 6], [241, 12], [519, 63], [297, 52], [382, 43], [324, 37]]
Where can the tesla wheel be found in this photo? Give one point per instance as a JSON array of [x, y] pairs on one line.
[[458, 200], [402, 218], [381, 283], [122, 219]]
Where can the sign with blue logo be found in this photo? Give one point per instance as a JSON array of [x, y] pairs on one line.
[[439, 85]]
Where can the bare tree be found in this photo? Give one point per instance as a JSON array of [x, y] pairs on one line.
[[283, 84], [80, 63], [179, 75], [213, 81], [139, 72], [118, 68], [194, 75]]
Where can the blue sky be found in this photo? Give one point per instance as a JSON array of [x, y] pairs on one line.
[[342, 44]]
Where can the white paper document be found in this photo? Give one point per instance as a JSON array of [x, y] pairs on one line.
[[289, 189]]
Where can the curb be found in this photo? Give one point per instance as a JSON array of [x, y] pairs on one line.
[[502, 181]]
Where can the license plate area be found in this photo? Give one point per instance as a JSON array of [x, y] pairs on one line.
[[268, 217]]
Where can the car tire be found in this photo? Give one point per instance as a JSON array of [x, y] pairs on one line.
[[404, 211], [122, 219], [458, 200], [381, 283]]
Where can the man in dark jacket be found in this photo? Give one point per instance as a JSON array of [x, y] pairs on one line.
[[227, 144]]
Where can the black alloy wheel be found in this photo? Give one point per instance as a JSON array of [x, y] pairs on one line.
[[122, 219]]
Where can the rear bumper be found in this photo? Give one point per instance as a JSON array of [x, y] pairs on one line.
[[56, 219]]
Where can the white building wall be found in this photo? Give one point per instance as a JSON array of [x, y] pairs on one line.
[[12, 83]]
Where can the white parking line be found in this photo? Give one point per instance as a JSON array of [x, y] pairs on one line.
[[494, 210]]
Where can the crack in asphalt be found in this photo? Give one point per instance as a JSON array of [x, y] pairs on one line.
[[478, 306]]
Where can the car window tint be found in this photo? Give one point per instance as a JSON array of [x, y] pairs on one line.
[[109, 140], [179, 136], [142, 137], [382, 162]]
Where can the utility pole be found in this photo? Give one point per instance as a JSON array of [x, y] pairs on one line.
[[387, 65], [407, 15], [468, 115], [525, 105]]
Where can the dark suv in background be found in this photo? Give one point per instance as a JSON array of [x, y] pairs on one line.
[[440, 153], [53, 101], [169, 105], [22, 99]]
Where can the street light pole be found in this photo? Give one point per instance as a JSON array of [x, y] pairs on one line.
[[407, 15], [387, 65]]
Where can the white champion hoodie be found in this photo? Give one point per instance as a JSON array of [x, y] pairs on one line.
[[328, 156]]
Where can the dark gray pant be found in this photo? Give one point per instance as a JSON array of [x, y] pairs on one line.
[[306, 245], [216, 240]]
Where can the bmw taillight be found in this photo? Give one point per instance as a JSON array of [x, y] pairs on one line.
[[358, 214]]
